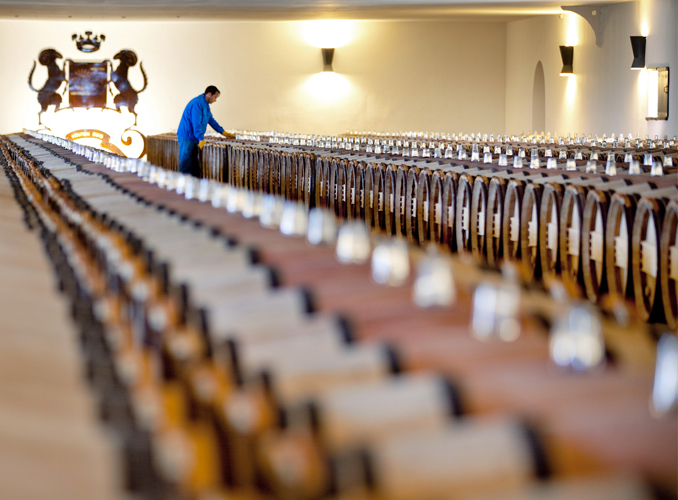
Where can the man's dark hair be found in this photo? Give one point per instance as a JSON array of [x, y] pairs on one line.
[[212, 90]]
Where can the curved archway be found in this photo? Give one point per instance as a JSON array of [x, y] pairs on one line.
[[539, 99]]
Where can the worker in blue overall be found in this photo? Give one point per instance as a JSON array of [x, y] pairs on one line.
[[191, 132]]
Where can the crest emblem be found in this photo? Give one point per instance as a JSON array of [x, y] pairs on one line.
[[88, 44], [88, 84]]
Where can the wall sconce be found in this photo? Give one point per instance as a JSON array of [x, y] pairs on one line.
[[638, 44], [567, 55], [328, 55], [657, 93]]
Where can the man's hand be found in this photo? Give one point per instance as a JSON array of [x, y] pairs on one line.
[[227, 135], [201, 143]]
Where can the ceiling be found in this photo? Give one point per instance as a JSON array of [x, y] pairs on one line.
[[277, 10]]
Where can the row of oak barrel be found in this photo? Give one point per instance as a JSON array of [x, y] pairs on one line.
[[609, 238], [220, 385], [49, 435]]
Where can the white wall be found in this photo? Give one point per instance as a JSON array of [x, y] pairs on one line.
[[434, 76], [605, 95], [397, 75]]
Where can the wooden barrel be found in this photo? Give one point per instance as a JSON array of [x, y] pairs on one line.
[[529, 232], [342, 188], [334, 188], [463, 220], [513, 203], [668, 264], [479, 217], [618, 235], [286, 175], [400, 206], [413, 210], [436, 200], [292, 177], [594, 226], [391, 200], [449, 237], [356, 186], [309, 196], [264, 166], [495, 210], [570, 239], [549, 223], [645, 249], [379, 190], [322, 178], [426, 209]]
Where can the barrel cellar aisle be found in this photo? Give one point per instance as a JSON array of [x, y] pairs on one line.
[[339, 318], [49, 429]]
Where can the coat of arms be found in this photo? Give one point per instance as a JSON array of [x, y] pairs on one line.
[[88, 82]]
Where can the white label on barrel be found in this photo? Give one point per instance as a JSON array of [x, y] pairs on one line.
[[402, 205], [481, 223], [648, 250], [552, 233], [621, 251], [343, 192], [308, 187], [573, 233], [532, 227], [414, 207], [597, 246], [352, 196], [381, 201], [597, 242], [450, 216], [437, 208], [371, 199], [514, 228], [464, 217], [425, 211], [496, 225], [362, 197], [391, 200]]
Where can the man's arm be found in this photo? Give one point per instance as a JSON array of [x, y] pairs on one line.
[[213, 123]]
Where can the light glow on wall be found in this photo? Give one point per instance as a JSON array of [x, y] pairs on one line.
[[327, 86], [65, 121], [652, 93], [644, 14], [572, 31], [571, 89], [328, 34], [642, 88]]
